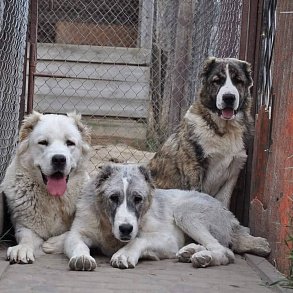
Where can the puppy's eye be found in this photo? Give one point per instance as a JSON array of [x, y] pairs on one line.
[[137, 199], [43, 142], [216, 80], [114, 198], [69, 142]]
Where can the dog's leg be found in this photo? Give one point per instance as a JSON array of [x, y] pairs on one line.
[[215, 253], [29, 244], [77, 250], [55, 244], [225, 193], [150, 245], [243, 242]]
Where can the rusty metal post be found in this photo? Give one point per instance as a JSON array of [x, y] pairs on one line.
[[32, 54]]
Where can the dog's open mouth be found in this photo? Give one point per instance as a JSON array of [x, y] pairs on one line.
[[56, 183], [227, 113]]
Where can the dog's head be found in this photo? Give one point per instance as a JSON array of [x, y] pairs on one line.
[[226, 86], [53, 148], [124, 194]]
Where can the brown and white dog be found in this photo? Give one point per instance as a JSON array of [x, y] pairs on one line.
[[43, 181], [209, 149]]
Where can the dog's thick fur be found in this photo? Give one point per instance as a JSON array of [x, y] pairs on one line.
[[122, 215], [208, 150], [52, 148]]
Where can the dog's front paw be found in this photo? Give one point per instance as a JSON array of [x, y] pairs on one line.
[[261, 247], [82, 263], [123, 261], [54, 244], [201, 259], [185, 253], [21, 253]]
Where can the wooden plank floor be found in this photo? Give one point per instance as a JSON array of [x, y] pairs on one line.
[[50, 274]]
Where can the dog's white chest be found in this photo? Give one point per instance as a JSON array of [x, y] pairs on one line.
[[220, 170]]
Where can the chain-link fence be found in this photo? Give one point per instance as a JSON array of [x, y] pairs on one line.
[[13, 23], [130, 67]]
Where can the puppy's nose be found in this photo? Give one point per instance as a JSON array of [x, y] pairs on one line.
[[125, 229], [58, 161], [229, 99]]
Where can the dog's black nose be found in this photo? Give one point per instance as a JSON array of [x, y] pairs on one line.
[[125, 229], [58, 161], [229, 99]]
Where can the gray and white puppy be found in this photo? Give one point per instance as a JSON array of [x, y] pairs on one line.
[[122, 214]]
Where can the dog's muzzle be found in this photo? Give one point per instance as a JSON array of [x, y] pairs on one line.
[[228, 112]]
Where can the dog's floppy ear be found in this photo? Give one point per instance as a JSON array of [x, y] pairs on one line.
[[147, 174], [104, 173], [247, 70], [84, 130], [28, 124], [208, 66]]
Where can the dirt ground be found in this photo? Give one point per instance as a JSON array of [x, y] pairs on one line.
[[122, 153]]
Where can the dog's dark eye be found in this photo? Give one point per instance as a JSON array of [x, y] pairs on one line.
[[216, 80], [137, 199], [238, 80], [114, 198], [43, 142], [69, 142]]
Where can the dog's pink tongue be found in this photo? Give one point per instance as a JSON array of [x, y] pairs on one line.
[[227, 113], [56, 187]]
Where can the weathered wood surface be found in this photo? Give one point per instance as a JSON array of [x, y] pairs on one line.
[[84, 80], [84, 53], [50, 274], [271, 211], [106, 72], [146, 12], [130, 108]]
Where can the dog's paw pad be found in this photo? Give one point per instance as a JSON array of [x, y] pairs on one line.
[[82, 263], [201, 259], [21, 254], [122, 261], [185, 253]]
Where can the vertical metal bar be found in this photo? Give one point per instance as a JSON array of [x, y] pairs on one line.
[[32, 54], [23, 91]]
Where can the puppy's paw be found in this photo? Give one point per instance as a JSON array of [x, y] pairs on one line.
[[121, 260], [202, 259], [54, 245], [185, 253], [82, 263], [23, 254], [261, 247]]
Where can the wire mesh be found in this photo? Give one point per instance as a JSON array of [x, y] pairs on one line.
[[130, 67], [13, 23]]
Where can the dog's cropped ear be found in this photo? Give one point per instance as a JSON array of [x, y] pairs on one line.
[[28, 124], [84, 129], [147, 174], [208, 65], [248, 73], [104, 173]]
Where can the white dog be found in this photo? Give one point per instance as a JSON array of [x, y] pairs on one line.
[[121, 213], [44, 180]]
